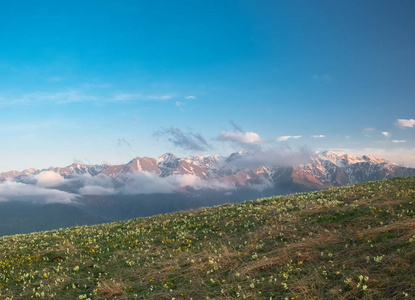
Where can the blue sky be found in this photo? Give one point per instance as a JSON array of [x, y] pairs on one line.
[[107, 80]]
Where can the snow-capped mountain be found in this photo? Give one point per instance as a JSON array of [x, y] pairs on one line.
[[324, 169], [337, 169]]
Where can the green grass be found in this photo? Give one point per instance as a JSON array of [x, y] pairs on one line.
[[354, 242]]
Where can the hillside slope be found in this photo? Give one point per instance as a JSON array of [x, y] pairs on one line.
[[355, 242]]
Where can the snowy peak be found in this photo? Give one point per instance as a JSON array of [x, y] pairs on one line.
[[167, 157], [76, 169], [167, 163], [342, 159], [376, 160]]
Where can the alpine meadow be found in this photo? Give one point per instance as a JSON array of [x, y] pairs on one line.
[[209, 149], [355, 242]]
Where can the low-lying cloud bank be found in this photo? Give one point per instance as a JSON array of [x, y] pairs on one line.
[[50, 187], [11, 190], [151, 183]]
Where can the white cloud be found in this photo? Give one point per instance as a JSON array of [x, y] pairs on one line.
[[405, 123], [64, 97], [160, 97], [10, 190], [399, 141], [287, 137], [178, 103], [386, 133], [100, 180], [240, 137], [190, 97], [195, 182], [137, 96], [318, 136], [369, 129], [151, 183], [126, 97], [146, 183], [84, 94], [48, 179]]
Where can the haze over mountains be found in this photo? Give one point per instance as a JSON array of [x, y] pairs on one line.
[[78, 194]]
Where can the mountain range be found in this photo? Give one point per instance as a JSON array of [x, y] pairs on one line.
[[230, 173], [81, 194]]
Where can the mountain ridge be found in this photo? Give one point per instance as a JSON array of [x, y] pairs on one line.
[[323, 169]]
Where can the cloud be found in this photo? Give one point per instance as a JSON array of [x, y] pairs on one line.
[[151, 183], [369, 129], [287, 137], [178, 103], [187, 141], [247, 140], [399, 141], [262, 185], [17, 191], [195, 182], [48, 179], [240, 137], [318, 136], [126, 97], [160, 97], [87, 93], [63, 97], [190, 97], [405, 123], [137, 96], [236, 127], [124, 142], [283, 157], [89, 180], [386, 133], [93, 185], [146, 183]]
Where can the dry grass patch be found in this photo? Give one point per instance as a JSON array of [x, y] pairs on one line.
[[407, 226], [111, 289], [299, 250]]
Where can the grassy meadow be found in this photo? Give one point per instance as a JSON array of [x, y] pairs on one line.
[[355, 242]]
